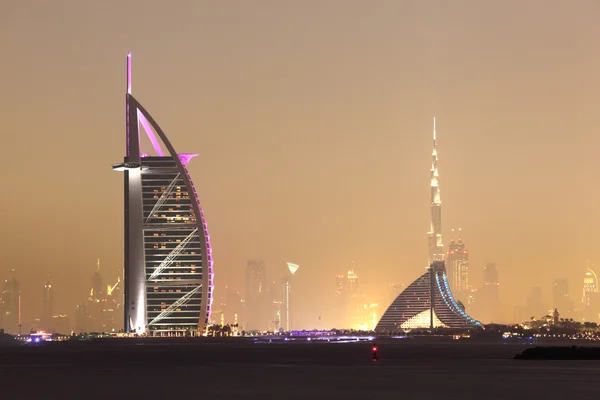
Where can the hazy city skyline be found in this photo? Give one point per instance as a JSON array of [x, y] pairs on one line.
[[313, 125]]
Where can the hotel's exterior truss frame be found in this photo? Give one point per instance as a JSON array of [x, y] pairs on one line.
[[172, 255], [180, 302], [163, 198]]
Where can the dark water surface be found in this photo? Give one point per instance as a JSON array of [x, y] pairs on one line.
[[240, 369]]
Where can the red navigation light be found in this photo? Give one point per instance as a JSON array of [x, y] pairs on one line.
[[375, 355]]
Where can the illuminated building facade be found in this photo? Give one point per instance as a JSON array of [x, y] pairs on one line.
[[428, 301], [168, 269], [48, 310], [102, 312], [591, 297], [590, 288], [340, 286], [340, 301], [457, 263], [352, 311], [287, 297], [10, 317], [357, 309]]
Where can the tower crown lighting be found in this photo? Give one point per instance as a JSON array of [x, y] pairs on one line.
[[292, 267]]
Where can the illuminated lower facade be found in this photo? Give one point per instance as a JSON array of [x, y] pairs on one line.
[[168, 272], [426, 303], [287, 297]]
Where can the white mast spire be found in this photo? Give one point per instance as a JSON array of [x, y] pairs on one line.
[[129, 73]]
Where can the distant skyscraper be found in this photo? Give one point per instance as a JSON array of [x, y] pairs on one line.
[[436, 247], [491, 282], [340, 286], [487, 298], [256, 295], [11, 296], [274, 302], [457, 263], [230, 303], [591, 297], [340, 300], [97, 292], [352, 283], [590, 287], [489, 295], [358, 308], [287, 297], [561, 299], [351, 309], [48, 310], [102, 311], [96, 302], [168, 271]]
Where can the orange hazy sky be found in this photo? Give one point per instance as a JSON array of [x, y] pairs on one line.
[[313, 123]]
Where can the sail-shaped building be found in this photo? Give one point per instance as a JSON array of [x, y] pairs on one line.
[[168, 271], [428, 301]]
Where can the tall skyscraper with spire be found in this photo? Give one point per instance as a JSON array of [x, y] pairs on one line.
[[436, 247], [428, 301], [168, 272]]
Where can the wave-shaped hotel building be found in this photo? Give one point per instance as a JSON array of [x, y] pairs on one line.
[[428, 301], [168, 272]]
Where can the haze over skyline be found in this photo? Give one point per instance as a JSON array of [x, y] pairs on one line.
[[313, 123]]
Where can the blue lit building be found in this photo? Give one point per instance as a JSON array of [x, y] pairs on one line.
[[426, 303]]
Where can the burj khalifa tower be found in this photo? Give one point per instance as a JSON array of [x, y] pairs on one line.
[[436, 247]]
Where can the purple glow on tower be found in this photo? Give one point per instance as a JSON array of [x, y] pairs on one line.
[[129, 73], [185, 158], [150, 134], [211, 274]]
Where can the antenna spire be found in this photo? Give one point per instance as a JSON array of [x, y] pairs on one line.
[[434, 135], [129, 73]]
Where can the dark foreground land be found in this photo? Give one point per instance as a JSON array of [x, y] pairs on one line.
[[241, 369], [560, 353]]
